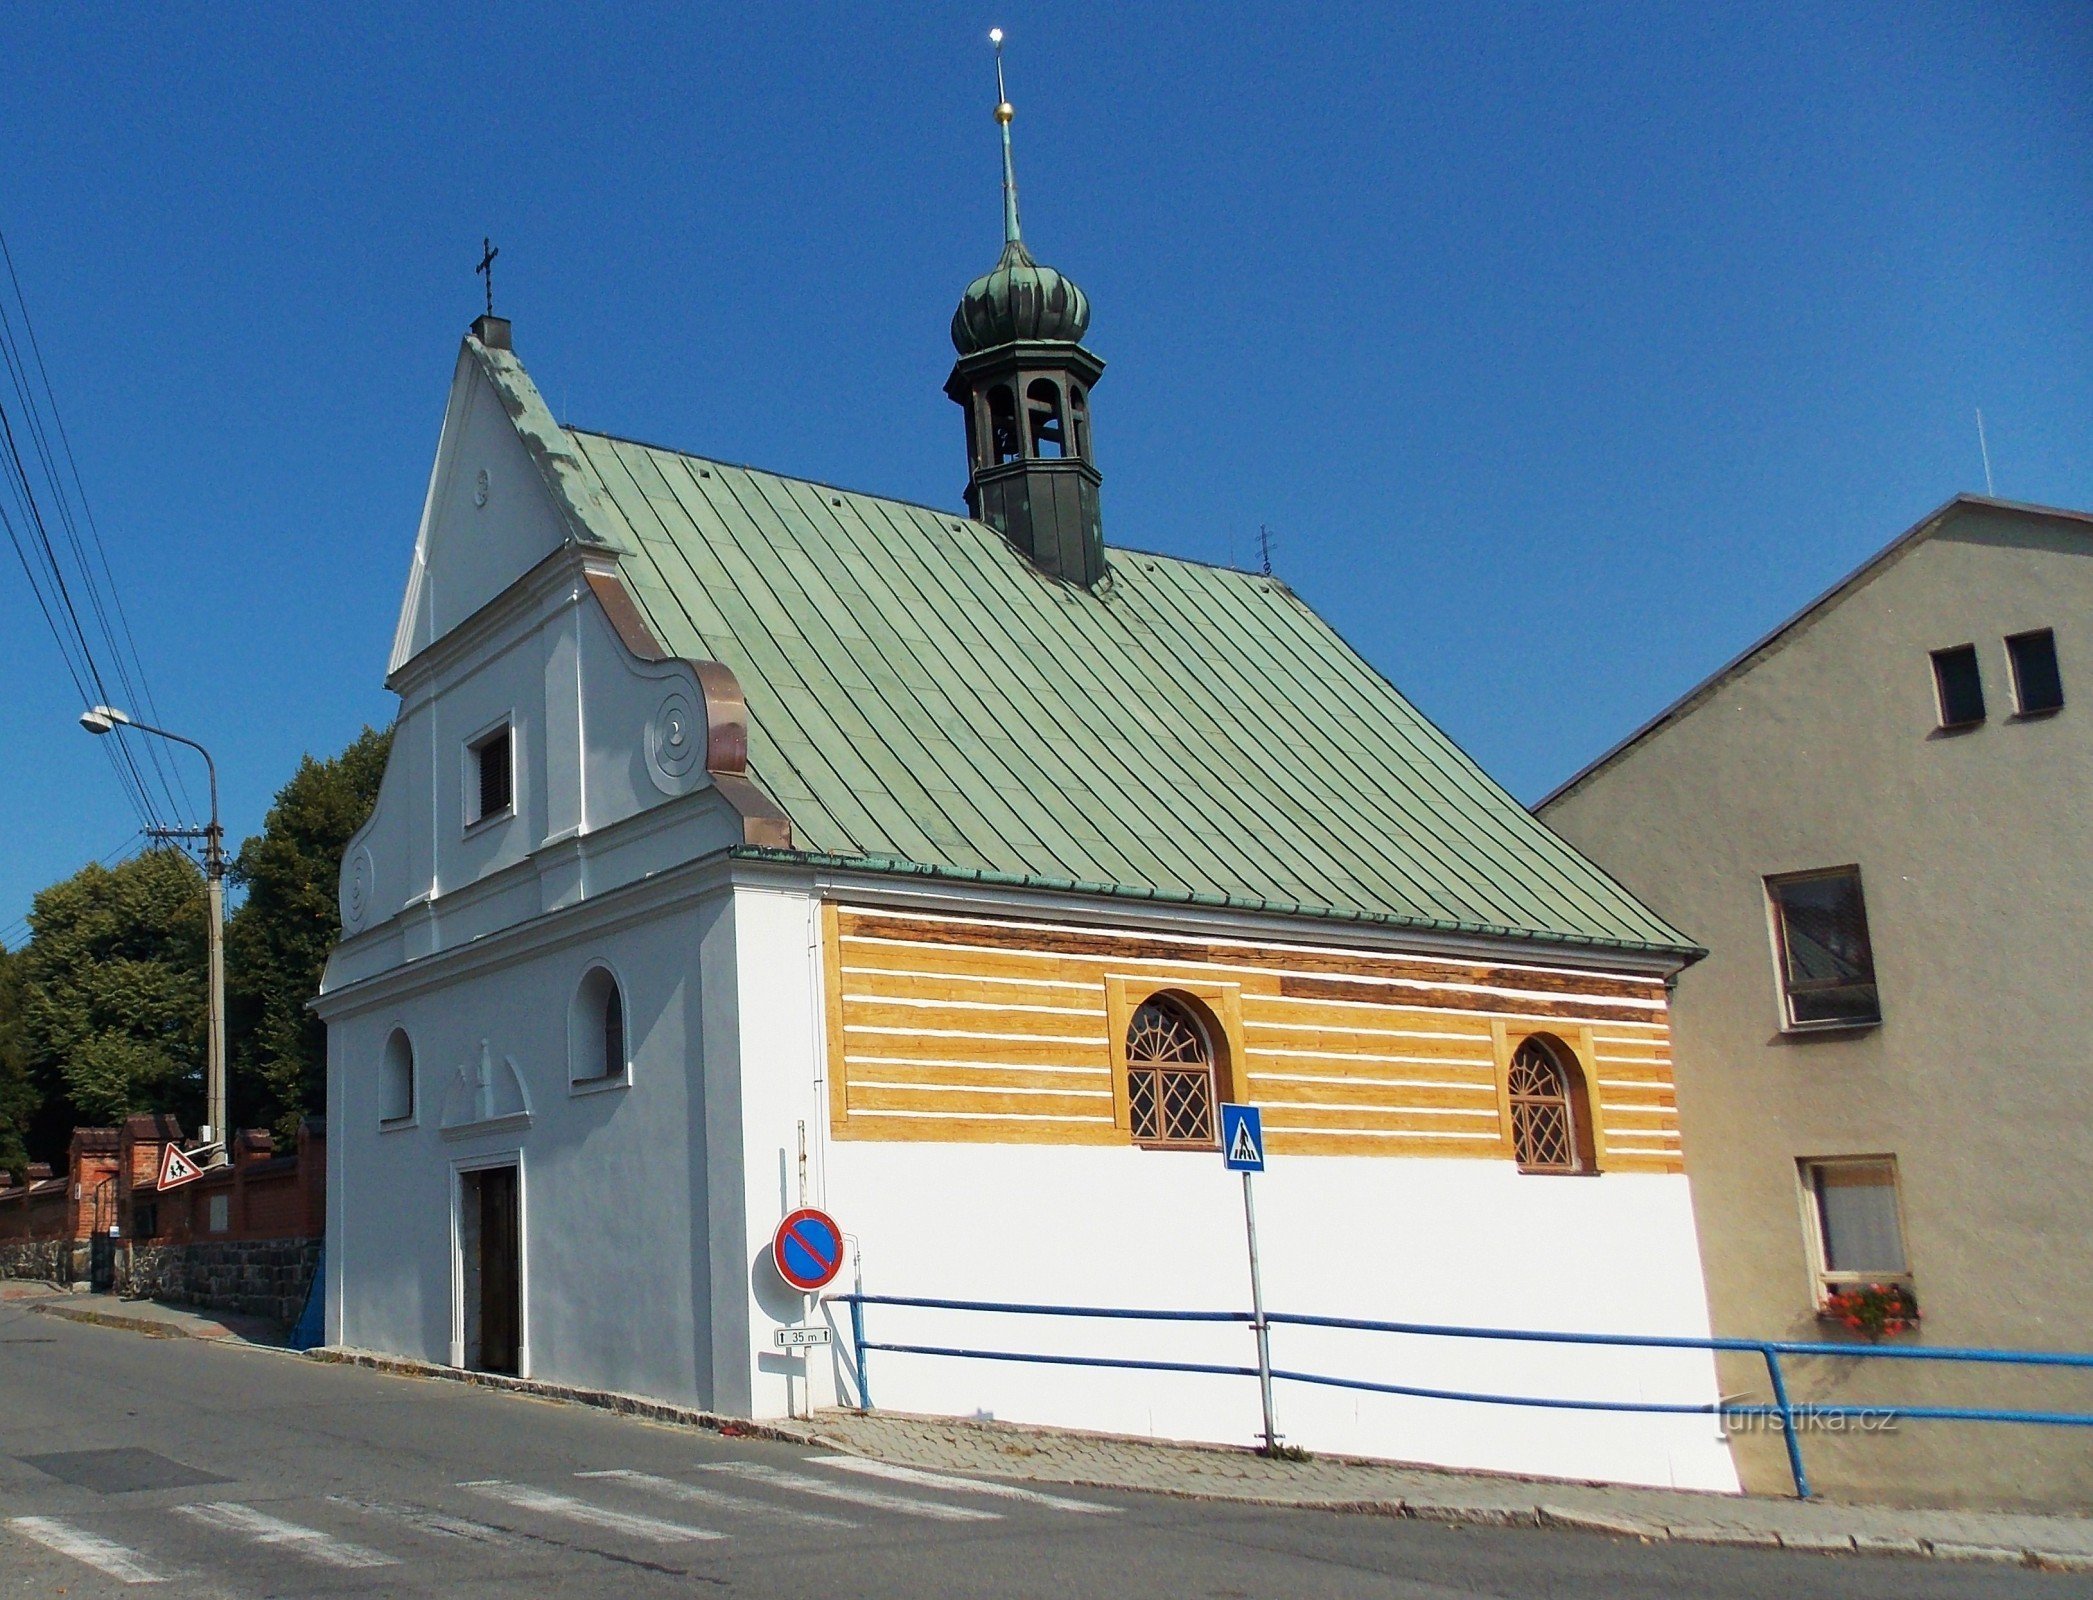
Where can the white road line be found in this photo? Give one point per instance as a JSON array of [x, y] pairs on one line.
[[944, 1480], [695, 1494], [427, 1519], [777, 1477], [106, 1556], [525, 1498], [262, 1528]]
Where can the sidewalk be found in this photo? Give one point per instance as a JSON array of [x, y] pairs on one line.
[[1011, 1450], [149, 1317], [1218, 1472]]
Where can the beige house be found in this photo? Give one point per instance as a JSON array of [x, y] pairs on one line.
[[1875, 820]]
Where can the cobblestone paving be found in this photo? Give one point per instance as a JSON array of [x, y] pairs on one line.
[[1013, 1451]]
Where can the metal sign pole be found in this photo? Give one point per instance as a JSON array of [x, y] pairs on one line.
[[1257, 1307]]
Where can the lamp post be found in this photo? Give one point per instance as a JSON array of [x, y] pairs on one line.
[[106, 719]]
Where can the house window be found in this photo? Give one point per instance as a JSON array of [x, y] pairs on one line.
[[1827, 965], [596, 1030], [1551, 1117], [1170, 1076], [2038, 688], [396, 1079], [1856, 1229], [490, 776], [1959, 686]]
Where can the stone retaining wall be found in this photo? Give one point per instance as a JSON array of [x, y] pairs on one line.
[[256, 1277], [46, 1260]]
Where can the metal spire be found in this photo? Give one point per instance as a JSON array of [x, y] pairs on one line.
[[1004, 112]]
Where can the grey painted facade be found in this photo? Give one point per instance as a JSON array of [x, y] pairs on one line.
[[1822, 748]]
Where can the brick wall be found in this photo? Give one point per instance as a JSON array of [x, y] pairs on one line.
[[245, 1237]]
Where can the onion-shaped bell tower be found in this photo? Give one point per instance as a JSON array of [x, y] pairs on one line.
[[1024, 380]]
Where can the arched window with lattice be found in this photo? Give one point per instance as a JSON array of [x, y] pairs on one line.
[[1551, 1114], [1170, 1075]]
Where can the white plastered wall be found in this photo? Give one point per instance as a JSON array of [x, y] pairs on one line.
[[614, 1220], [1463, 1242]]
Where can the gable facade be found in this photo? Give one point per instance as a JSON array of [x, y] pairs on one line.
[[1950, 1091]]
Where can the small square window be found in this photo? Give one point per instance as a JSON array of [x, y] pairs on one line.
[[1856, 1226], [489, 776], [1827, 963], [1959, 685], [2038, 687]]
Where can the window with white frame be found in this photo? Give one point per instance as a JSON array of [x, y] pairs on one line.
[[1856, 1222], [490, 783], [1826, 959]]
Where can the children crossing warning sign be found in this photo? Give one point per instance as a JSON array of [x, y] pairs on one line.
[[1243, 1138], [176, 1169]]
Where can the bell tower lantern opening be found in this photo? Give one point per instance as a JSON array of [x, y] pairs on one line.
[[1024, 380]]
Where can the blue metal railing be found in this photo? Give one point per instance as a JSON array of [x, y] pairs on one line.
[[1769, 1350]]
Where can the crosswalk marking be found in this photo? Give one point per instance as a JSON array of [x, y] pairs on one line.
[[262, 1528], [526, 1498], [427, 1519], [778, 1477], [944, 1480], [676, 1489], [106, 1556]]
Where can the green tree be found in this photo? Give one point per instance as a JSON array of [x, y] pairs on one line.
[[112, 989], [278, 941], [18, 1093]]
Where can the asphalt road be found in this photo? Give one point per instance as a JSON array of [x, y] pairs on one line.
[[131, 1465]]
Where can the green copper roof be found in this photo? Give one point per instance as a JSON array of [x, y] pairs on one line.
[[1016, 299], [922, 699]]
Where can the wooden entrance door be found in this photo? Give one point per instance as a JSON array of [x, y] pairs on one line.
[[500, 1278]]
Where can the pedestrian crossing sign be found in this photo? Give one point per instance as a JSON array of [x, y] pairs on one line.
[[1242, 1138]]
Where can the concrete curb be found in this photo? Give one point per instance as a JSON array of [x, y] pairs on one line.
[[109, 1319], [612, 1400], [152, 1327]]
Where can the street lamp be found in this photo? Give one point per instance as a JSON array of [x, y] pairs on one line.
[[106, 719]]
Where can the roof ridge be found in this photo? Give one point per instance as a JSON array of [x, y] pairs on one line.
[[902, 500], [1193, 732]]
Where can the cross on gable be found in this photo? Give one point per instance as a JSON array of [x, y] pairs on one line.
[[486, 269]]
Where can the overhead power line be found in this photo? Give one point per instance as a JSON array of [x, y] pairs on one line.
[[43, 511]]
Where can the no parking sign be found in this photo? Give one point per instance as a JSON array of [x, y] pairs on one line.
[[807, 1249]]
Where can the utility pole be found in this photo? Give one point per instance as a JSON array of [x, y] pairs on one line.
[[106, 719]]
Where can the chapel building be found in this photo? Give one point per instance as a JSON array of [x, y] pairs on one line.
[[749, 843]]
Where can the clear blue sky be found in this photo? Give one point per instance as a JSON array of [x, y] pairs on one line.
[[1565, 348]]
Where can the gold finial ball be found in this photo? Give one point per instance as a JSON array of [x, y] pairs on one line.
[[1005, 112]]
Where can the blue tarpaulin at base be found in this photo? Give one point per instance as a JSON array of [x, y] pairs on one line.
[[310, 1331]]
